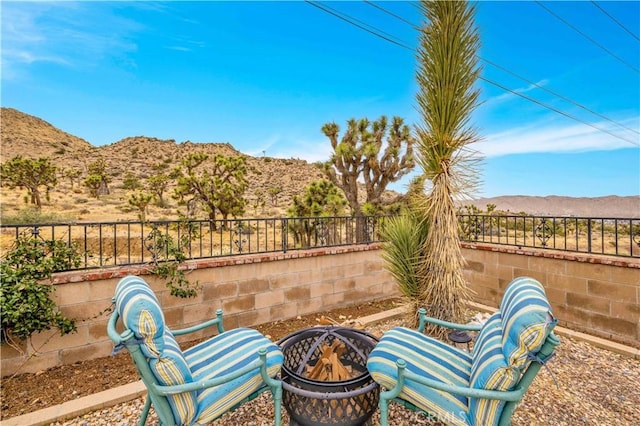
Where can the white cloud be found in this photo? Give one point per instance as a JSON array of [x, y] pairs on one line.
[[546, 136], [510, 95], [69, 34]]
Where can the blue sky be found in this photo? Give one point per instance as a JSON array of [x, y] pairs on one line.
[[265, 76]]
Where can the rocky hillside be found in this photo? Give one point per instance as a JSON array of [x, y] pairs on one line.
[[23, 134], [29, 136], [26, 135]]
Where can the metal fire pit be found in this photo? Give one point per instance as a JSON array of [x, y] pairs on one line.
[[312, 402]]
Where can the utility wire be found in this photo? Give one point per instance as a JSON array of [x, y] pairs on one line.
[[388, 12], [615, 20], [493, 64], [406, 46], [352, 21], [558, 95], [557, 110], [586, 36]]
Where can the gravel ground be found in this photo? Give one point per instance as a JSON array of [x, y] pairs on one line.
[[586, 386]]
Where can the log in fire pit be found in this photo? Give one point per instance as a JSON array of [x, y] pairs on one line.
[[324, 376]]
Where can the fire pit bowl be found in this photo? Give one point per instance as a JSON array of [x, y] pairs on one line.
[[311, 394]]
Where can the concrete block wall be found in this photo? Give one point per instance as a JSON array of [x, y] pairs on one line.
[[251, 290], [596, 295]]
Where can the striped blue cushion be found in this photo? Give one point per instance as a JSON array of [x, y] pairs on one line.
[[526, 320], [140, 312], [490, 371], [223, 354], [171, 368], [428, 358]]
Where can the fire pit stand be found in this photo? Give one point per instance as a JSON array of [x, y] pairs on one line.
[[311, 402]]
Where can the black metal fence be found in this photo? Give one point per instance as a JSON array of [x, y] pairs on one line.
[[131, 243], [607, 236]]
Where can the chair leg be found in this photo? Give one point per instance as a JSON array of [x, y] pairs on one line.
[[384, 412], [274, 385], [277, 401], [145, 411]]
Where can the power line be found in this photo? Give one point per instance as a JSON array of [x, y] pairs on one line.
[[405, 46], [615, 20], [558, 95], [415, 27], [349, 20], [519, 76], [557, 110], [388, 12], [587, 37]]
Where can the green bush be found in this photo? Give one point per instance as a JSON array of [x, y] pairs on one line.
[[24, 300], [32, 214]]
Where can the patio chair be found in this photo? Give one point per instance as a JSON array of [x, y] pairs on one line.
[[199, 384], [461, 388]]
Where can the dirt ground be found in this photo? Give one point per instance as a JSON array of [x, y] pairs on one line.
[[26, 393]]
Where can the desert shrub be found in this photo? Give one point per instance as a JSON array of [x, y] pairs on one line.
[[168, 254], [24, 300], [131, 181], [32, 214]]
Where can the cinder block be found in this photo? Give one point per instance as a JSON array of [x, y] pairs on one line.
[[283, 312], [626, 310], [269, 298], [619, 292], [83, 353], [253, 286], [297, 293], [589, 303], [239, 304], [254, 317], [50, 340], [221, 290]]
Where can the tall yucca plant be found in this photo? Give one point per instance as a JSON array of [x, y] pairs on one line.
[[447, 70], [403, 252]]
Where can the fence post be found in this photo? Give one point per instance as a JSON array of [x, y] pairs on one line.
[[285, 233]]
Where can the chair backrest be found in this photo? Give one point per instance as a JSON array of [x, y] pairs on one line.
[[163, 362], [507, 343]]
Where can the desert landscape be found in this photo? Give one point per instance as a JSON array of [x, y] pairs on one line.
[[137, 158]]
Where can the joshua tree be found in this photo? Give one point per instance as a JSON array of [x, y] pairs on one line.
[[321, 198], [97, 179], [360, 154], [219, 184], [141, 201], [425, 245], [31, 174]]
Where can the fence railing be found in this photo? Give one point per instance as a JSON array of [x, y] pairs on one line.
[[606, 236], [132, 243]]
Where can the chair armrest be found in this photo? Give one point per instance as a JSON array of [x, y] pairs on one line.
[[424, 319], [215, 321], [204, 384], [113, 334], [513, 395]]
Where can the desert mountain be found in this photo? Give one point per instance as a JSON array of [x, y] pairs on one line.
[[29, 136], [606, 207], [140, 157]]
